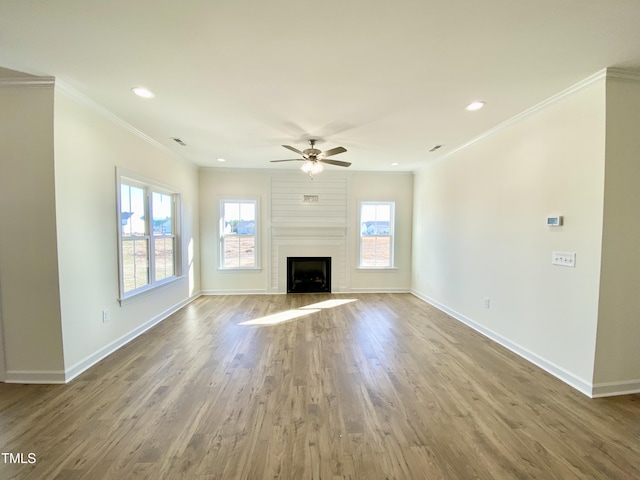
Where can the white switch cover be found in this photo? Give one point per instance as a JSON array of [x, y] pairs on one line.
[[564, 259]]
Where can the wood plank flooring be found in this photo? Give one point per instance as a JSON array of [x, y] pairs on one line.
[[381, 387]]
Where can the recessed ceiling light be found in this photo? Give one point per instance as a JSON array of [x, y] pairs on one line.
[[475, 105], [143, 92], [395, 164], [221, 160]]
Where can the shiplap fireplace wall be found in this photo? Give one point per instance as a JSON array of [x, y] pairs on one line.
[[309, 218]]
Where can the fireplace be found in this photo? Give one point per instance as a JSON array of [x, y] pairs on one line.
[[308, 274]]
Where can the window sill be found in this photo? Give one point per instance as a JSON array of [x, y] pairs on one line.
[[149, 291]]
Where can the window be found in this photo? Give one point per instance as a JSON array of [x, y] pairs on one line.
[[376, 234], [148, 235], [238, 237]]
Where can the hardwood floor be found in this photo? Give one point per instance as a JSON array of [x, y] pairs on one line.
[[381, 387]]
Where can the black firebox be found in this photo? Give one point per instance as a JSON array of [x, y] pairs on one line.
[[308, 274]]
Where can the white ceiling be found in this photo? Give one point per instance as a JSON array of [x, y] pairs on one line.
[[387, 80]]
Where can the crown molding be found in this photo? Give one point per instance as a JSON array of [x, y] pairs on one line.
[[88, 102], [34, 82], [62, 87], [596, 77], [622, 75], [70, 92]]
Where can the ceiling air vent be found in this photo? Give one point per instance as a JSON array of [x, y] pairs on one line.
[[435, 147], [177, 140]]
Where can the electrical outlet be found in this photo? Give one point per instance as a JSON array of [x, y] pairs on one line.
[[487, 302], [105, 315], [564, 259]]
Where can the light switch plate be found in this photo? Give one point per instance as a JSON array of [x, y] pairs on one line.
[[564, 259]]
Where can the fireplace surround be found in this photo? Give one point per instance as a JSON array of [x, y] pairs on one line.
[[308, 274]]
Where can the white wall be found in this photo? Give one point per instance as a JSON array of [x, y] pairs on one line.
[[479, 231], [58, 241], [215, 184], [396, 187], [28, 261], [218, 183], [88, 147], [618, 342], [2, 362]]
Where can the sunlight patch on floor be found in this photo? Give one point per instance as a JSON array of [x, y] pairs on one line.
[[330, 303], [289, 315], [281, 317]]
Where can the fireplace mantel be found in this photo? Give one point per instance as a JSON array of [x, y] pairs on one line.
[[306, 231]]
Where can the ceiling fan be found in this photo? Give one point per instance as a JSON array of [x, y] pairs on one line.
[[314, 158]]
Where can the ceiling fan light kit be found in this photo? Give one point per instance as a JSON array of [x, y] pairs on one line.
[[313, 158], [312, 167]]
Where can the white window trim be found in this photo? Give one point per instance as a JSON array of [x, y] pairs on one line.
[[257, 235], [392, 235], [131, 178]]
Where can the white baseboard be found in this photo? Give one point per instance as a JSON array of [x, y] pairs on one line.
[[235, 292], [376, 290], [567, 377], [35, 376], [276, 292], [86, 363], [610, 389]]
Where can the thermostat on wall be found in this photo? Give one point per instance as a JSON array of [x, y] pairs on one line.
[[554, 221]]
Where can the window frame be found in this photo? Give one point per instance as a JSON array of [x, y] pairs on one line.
[[149, 187], [390, 235], [221, 235]]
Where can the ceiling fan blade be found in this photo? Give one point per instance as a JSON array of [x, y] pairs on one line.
[[335, 162], [333, 151], [289, 160], [293, 149]]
